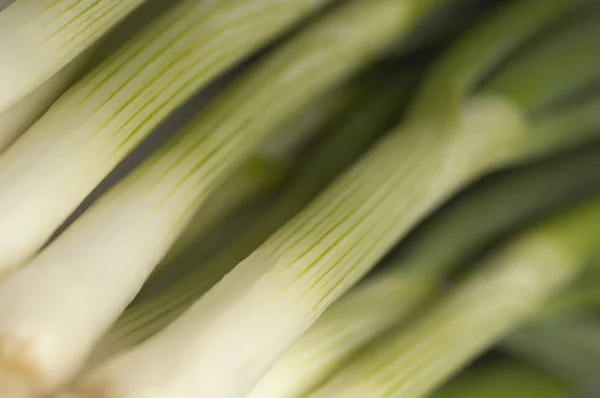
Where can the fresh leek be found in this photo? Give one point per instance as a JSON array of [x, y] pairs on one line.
[[510, 286], [46, 174], [482, 215], [40, 42], [370, 118], [227, 339], [120, 240]]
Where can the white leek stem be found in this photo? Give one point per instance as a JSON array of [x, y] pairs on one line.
[[39, 38], [46, 174], [119, 241]]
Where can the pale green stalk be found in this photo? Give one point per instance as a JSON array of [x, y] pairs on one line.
[[545, 78], [46, 174], [505, 379], [567, 346], [581, 120], [559, 66], [120, 239], [473, 57], [39, 42], [331, 244], [270, 165], [422, 264], [350, 136], [389, 298], [507, 289], [582, 296]]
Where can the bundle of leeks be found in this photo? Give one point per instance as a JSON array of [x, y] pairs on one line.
[[380, 193]]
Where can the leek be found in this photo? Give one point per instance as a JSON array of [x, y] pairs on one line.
[[510, 287], [423, 262], [314, 258], [569, 65], [124, 235], [46, 174], [40, 42], [273, 159], [582, 296], [370, 118], [264, 172]]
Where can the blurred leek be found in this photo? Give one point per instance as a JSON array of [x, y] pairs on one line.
[[42, 44], [294, 275], [46, 174], [509, 287], [124, 235]]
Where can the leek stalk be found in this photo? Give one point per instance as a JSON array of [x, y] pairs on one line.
[[510, 287], [46, 174], [506, 378], [40, 43], [120, 240], [422, 265], [370, 118], [332, 243]]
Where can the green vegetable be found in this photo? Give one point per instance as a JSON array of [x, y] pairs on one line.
[[120, 240], [568, 346], [268, 300], [507, 378], [508, 288], [46, 174], [40, 43], [420, 267], [349, 137]]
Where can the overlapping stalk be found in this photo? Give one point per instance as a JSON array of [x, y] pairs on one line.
[[40, 43], [272, 161], [120, 240], [510, 286], [370, 119], [278, 158], [46, 174], [323, 251], [422, 265]]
